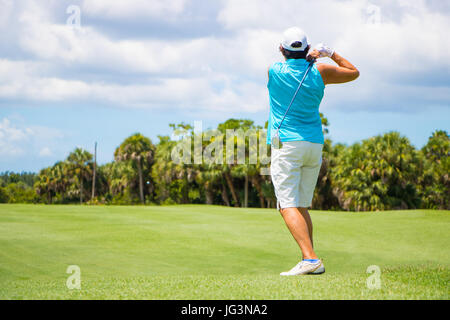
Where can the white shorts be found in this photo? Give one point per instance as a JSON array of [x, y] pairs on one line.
[[295, 168]]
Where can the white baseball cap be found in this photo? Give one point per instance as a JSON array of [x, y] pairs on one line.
[[294, 39]]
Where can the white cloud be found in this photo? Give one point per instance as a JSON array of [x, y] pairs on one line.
[[187, 93], [11, 138], [395, 44], [134, 8], [398, 52], [395, 56], [5, 12], [45, 152], [251, 49], [17, 140]]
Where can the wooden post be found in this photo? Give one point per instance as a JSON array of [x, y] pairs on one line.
[[95, 167]]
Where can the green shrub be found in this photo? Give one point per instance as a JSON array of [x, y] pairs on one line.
[[20, 193], [4, 198]]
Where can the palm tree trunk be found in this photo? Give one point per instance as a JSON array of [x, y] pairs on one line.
[[246, 192], [209, 194], [257, 185], [81, 189], [185, 190], [231, 186], [225, 195], [141, 181]]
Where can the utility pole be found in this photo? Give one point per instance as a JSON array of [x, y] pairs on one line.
[[246, 191], [95, 167]]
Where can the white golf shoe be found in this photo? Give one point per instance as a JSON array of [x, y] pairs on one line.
[[305, 267]]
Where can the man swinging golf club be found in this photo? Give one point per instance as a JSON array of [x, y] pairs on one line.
[[296, 88]]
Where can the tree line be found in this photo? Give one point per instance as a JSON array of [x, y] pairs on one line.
[[380, 173]]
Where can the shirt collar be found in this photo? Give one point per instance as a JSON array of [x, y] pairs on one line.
[[296, 61]]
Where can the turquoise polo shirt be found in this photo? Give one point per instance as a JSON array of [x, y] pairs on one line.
[[303, 122]]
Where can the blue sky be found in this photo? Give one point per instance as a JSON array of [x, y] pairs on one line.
[[136, 66]]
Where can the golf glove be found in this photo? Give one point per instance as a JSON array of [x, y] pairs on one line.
[[324, 50]]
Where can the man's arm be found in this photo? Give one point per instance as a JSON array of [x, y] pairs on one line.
[[344, 72]]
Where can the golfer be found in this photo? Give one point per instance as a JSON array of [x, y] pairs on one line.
[[295, 126]]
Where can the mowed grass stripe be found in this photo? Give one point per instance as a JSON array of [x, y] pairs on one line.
[[172, 251]]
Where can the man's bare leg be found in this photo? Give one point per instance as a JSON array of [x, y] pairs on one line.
[[305, 214], [298, 226]]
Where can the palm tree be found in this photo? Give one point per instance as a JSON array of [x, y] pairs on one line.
[[120, 176], [79, 162], [140, 151], [379, 173], [229, 170], [163, 169], [434, 183], [209, 178], [45, 184], [60, 172]]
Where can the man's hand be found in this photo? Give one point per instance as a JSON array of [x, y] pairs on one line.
[[320, 51], [313, 55]]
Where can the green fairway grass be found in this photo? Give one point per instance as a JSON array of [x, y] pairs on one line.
[[212, 252]]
